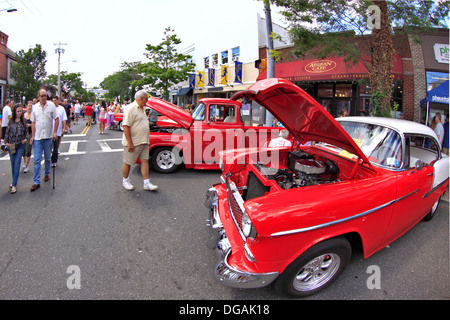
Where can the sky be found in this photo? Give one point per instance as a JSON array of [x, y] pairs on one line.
[[102, 34]]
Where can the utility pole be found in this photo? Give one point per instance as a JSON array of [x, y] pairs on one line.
[[270, 58], [58, 51]]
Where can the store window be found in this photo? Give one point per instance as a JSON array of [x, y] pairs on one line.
[[435, 78], [309, 88], [365, 88], [327, 104], [336, 98], [343, 90], [325, 90], [397, 95], [206, 62], [343, 108], [365, 93]]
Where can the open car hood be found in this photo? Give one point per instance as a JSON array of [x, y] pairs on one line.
[[171, 111], [303, 116]]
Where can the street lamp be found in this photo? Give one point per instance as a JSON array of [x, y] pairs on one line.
[[58, 51], [9, 10]]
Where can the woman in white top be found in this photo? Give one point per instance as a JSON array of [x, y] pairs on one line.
[[102, 117], [110, 119]]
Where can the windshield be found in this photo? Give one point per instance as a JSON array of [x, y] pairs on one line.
[[379, 144], [199, 112]]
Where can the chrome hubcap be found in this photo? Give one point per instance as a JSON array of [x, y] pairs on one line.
[[166, 159], [435, 206], [317, 272]]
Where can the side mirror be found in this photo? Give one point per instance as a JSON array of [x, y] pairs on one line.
[[419, 165]]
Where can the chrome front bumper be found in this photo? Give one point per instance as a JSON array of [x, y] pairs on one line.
[[219, 242]]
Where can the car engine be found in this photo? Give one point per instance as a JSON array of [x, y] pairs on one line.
[[306, 170]]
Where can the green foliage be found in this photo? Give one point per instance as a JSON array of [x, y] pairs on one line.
[[121, 83], [29, 72], [70, 80], [380, 110], [324, 28], [166, 66]]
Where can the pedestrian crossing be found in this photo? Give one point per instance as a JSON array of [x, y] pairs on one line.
[[78, 146]]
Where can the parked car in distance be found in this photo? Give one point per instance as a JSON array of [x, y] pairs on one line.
[[291, 216], [163, 121], [195, 140]]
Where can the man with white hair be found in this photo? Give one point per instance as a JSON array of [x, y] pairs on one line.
[[135, 140], [6, 115], [281, 141]]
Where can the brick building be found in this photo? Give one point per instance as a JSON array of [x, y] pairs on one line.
[[7, 58], [338, 87], [431, 68]]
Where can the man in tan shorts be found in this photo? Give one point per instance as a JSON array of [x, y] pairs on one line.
[[135, 140]]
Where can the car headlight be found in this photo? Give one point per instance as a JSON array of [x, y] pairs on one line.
[[247, 226]]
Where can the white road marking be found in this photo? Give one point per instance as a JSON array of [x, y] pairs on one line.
[[73, 147]]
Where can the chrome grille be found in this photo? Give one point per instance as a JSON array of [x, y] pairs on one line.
[[233, 204]]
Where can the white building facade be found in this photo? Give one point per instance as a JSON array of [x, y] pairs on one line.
[[224, 59]]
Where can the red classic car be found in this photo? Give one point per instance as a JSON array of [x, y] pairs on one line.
[[196, 140], [163, 121], [291, 215]]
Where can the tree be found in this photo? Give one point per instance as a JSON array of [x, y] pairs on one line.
[[166, 66], [71, 81], [29, 72], [121, 83], [324, 27]]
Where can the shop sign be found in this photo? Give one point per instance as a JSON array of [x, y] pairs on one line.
[[441, 52], [320, 66]]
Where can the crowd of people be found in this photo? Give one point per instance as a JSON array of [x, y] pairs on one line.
[[40, 126], [92, 112]]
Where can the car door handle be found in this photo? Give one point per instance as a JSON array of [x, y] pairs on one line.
[[431, 174]]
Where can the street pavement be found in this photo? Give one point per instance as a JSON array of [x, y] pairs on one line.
[[151, 245]]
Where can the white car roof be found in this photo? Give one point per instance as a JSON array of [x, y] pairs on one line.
[[402, 126]]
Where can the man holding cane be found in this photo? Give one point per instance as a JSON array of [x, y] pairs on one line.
[[42, 132]]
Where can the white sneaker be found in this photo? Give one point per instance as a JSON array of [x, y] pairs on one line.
[[127, 185], [25, 169], [150, 186]]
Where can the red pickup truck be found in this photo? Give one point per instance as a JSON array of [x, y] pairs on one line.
[[196, 140]]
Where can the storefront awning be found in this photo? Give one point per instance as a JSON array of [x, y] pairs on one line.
[[438, 94], [329, 69], [184, 92]]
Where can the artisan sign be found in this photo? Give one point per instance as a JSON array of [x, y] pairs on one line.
[[333, 68], [320, 66]]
